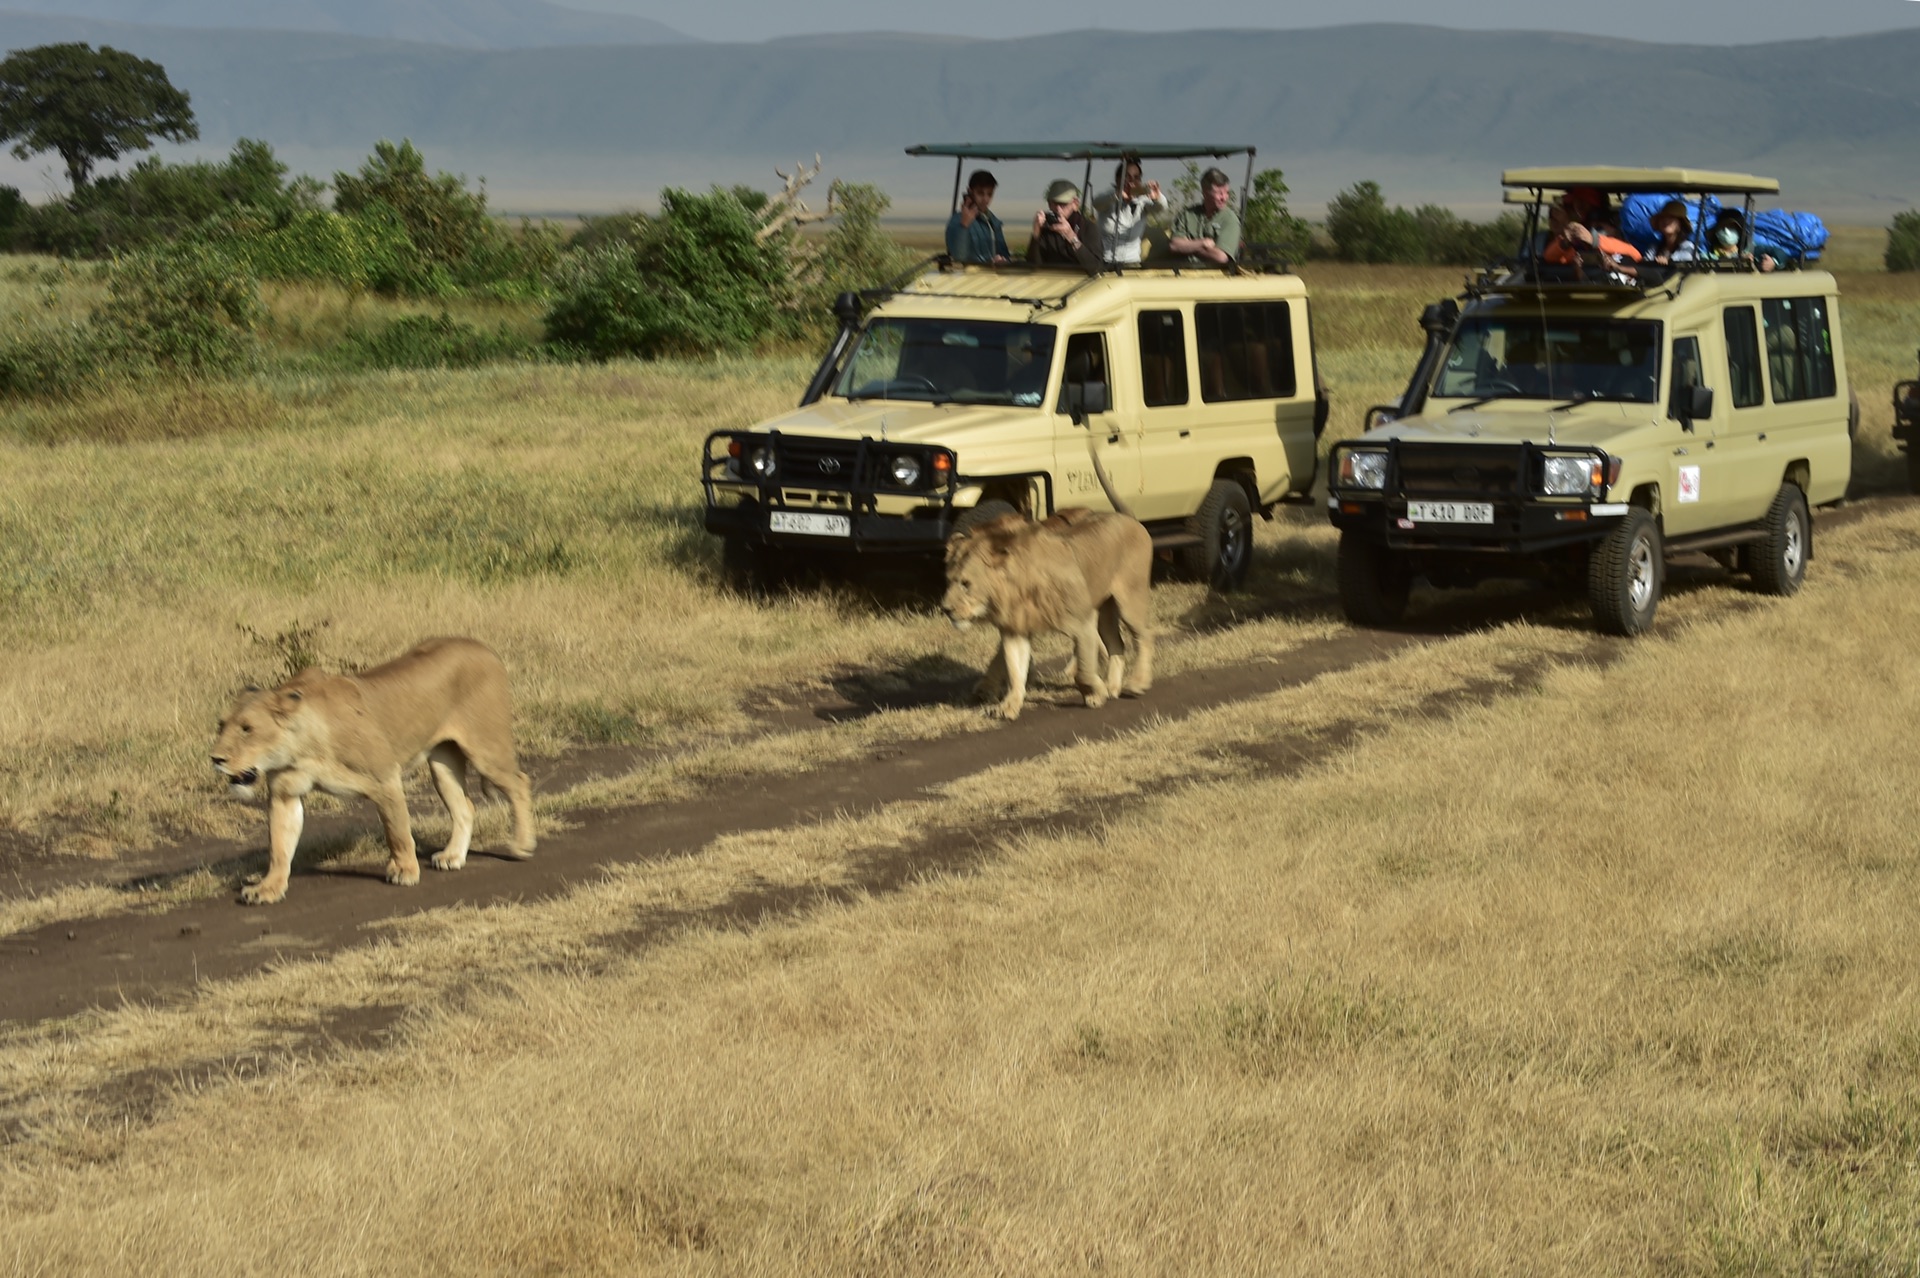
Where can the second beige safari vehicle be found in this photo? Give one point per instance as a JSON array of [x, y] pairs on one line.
[[967, 391], [1576, 424]]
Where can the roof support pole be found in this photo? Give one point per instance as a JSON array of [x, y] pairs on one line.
[[958, 161], [1246, 193]]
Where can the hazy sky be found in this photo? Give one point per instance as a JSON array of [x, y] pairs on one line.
[[1684, 21]]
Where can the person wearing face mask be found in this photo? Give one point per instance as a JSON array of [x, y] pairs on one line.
[[1122, 212], [1723, 244]]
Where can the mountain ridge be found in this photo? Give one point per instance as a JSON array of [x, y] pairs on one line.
[[1836, 116], [471, 24]]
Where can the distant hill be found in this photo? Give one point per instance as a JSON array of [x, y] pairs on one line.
[[469, 24], [1431, 113]]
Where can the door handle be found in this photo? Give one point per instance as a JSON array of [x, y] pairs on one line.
[[1763, 434], [1679, 452], [1185, 433], [1113, 438], [1709, 443]]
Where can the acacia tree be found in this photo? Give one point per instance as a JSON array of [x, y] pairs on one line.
[[88, 104]]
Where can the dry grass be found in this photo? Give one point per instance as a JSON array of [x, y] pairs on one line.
[[1611, 975]]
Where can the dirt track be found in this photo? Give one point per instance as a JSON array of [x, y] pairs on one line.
[[67, 966]]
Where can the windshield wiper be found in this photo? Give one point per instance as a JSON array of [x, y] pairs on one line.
[[1475, 403]]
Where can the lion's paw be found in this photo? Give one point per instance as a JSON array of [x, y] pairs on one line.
[[401, 877], [448, 861], [263, 893], [1004, 710]]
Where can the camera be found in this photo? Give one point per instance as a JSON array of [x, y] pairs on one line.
[[1053, 217]]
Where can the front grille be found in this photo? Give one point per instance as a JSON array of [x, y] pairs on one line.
[[1431, 470], [821, 463]]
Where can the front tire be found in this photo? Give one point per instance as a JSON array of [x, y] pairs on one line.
[[984, 513], [1374, 581], [1224, 524], [1913, 466], [1624, 575], [1779, 558]]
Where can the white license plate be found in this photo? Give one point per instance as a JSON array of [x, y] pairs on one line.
[[800, 521], [1450, 512]]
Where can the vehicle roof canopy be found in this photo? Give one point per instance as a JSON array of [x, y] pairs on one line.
[[1079, 150], [1629, 181]]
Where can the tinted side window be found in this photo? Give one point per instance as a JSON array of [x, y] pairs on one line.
[[1799, 348], [1086, 362], [1246, 350], [1743, 357], [1163, 358]]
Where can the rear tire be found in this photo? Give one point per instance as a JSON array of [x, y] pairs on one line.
[[1374, 581], [1779, 559], [1624, 575], [1224, 524], [1913, 466]]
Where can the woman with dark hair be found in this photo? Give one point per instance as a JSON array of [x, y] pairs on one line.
[[1122, 212]]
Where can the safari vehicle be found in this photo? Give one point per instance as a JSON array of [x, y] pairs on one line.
[[961, 392], [1583, 429], [1906, 427]]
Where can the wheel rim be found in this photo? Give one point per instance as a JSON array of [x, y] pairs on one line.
[[1794, 553], [1233, 541], [1640, 576]]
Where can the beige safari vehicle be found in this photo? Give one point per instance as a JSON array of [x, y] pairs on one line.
[[963, 392], [1575, 424]]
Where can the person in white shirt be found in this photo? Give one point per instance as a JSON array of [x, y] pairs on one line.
[[1122, 212]]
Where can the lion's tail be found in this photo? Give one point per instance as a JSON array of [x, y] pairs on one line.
[[1106, 480]]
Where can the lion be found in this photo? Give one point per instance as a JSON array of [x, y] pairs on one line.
[[1082, 572], [443, 702]]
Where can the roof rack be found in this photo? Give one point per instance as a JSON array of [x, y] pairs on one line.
[[1631, 181]]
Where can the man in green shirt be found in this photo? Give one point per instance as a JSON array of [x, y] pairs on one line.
[[1208, 233]]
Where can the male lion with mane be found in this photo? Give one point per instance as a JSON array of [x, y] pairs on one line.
[[443, 702], [1085, 573]]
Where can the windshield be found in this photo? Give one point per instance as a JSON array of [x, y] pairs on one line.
[[940, 361], [1552, 357]]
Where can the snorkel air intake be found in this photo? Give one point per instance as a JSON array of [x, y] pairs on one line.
[[846, 309]]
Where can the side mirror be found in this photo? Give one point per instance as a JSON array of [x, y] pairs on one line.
[[1690, 404], [1084, 399]]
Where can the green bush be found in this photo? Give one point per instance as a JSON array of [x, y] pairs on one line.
[[456, 246], [855, 253], [1269, 222], [697, 279], [186, 310], [1364, 229], [154, 203], [430, 341], [1903, 242]]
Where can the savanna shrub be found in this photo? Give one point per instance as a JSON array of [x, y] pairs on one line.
[[697, 279], [855, 253], [1269, 222], [1364, 229], [318, 245], [185, 310], [430, 341], [1903, 242], [456, 246]]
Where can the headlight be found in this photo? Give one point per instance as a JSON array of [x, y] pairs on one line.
[[1572, 476], [1363, 469], [906, 471], [762, 462]]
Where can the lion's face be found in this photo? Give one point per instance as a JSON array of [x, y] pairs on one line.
[[252, 740], [971, 574]]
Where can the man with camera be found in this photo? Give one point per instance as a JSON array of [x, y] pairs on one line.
[[1062, 234], [1208, 232]]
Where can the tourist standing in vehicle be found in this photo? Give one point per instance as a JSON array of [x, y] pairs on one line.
[[1210, 230], [1122, 212], [1724, 244], [1675, 230], [974, 234], [1062, 234], [1576, 237]]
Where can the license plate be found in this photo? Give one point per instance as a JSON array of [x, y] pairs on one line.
[[1450, 512], [800, 521]]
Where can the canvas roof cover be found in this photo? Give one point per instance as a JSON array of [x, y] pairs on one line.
[[1078, 150], [1613, 178]]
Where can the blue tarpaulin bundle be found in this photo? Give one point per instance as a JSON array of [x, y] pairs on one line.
[[1636, 217], [1798, 235]]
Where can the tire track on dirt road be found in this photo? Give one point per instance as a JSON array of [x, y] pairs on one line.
[[68, 966]]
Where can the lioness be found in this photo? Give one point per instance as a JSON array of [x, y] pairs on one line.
[[445, 702], [1082, 572]]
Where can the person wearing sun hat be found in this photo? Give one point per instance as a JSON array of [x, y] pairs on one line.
[[1062, 234], [1675, 230]]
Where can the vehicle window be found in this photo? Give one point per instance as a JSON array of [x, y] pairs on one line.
[[1687, 369], [1799, 348], [1163, 358], [1086, 362], [1743, 357], [1246, 350], [1558, 357], [939, 361]]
